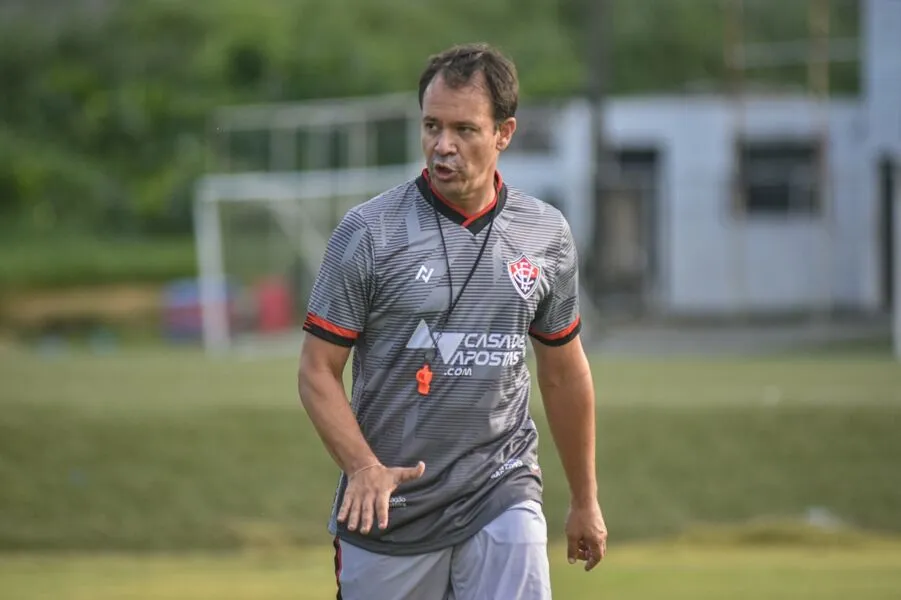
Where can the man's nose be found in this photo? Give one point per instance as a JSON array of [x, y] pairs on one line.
[[445, 144]]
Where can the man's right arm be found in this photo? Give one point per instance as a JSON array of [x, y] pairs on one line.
[[336, 316], [321, 387], [369, 482], [338, 311]]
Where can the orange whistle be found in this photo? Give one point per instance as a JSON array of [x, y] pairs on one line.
[[424, 378]]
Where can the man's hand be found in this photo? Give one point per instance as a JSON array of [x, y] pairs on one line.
[[586, 534], [368, 492]]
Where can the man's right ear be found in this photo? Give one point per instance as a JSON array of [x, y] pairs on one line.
[[506, 130]]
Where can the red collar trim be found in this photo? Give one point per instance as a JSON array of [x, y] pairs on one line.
[[498, 184]]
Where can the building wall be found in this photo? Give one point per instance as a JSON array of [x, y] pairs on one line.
[[881, 84], [881, 73], [712, 260]]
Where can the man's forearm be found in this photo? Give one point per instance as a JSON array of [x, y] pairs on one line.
[[326, 403], [569, 405]]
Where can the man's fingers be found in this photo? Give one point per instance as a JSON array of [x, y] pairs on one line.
[[595, 554], [366, 513], [572, 550], [584, 553], [381, 510], [345, 507], [366, 503], [353, 516], [410, 473]]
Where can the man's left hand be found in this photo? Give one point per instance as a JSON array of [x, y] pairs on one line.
[[586, 534]]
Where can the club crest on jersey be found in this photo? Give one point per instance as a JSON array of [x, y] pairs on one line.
[[525, 275]]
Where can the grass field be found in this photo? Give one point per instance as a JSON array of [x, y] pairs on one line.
[[160, 474], [869, 571]]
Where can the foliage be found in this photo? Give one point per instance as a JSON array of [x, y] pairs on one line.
[[63, 260], [105, 104]]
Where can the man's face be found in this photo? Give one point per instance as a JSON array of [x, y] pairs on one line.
[[460, 138]]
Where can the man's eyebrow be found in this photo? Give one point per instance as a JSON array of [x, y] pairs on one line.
[[463, 123]]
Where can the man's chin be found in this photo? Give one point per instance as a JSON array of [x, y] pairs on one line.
[[448, 187]]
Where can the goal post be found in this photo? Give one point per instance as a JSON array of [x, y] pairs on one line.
[[260, 240]]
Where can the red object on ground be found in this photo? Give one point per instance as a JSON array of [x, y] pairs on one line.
[[274, 304]]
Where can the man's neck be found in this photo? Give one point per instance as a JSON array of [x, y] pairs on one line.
[[475, 202]]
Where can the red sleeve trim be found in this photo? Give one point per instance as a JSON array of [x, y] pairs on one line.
[[329, 331], [560, 338]]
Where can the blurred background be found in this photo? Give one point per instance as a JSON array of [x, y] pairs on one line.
[[170, 173]]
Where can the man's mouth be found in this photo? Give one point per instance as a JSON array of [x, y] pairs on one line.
[[443, 171]]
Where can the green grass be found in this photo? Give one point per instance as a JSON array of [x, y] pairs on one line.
[[168, 451], [155, 474], [869, 571]]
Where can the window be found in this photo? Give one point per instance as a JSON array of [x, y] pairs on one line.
[[780, 178]]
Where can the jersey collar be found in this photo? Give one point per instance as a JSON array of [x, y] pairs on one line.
[[474, 223]]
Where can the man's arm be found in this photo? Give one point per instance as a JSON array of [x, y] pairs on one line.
[[567, 391], [321, 386], [369, 482], [338, 312]]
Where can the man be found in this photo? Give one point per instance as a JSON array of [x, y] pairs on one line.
[[437, 284]]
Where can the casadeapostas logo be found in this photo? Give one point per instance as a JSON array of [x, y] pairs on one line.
[[461, 351]]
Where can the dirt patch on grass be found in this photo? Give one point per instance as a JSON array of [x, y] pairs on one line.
[[112, 304]]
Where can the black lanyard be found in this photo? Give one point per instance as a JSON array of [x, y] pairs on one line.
[[452, 302]]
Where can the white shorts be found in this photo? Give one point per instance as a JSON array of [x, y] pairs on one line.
[[506, 559]]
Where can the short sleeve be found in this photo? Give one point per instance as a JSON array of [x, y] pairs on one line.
[[558, 321], [339, 302]]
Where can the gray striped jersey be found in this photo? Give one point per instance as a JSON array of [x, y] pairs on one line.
[[384, 288]]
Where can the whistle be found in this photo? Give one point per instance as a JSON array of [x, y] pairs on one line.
[[424, 379]]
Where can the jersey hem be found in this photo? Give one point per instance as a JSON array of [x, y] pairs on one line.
[[493, 509]]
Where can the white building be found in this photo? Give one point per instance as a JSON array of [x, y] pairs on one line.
[[679, 240]]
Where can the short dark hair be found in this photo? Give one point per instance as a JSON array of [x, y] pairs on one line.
[[459, 64]]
